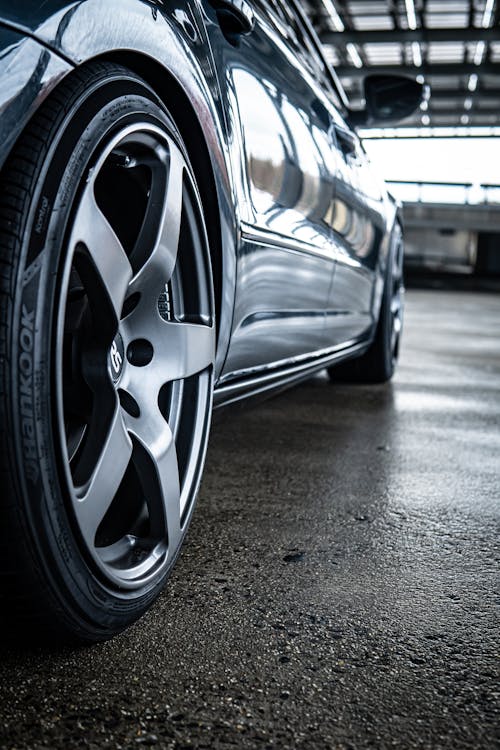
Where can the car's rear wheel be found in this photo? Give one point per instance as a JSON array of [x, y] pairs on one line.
[[107, 347], [378, 363]]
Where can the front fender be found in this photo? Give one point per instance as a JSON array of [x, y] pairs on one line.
[[392, 210], [28, 73], [170, 40]]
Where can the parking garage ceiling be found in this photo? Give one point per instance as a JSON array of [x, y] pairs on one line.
[[454, 45]]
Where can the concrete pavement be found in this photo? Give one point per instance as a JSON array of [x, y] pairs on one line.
[[339, 585]]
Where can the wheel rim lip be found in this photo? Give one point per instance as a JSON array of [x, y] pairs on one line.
[[161, 554]]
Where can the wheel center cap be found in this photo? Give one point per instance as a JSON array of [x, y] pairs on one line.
[[115, 358]]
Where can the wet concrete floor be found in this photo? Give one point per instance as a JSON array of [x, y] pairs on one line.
[[339, 586]]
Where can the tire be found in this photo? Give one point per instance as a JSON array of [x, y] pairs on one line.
[[107, 345], [378, 363], [487, 261]]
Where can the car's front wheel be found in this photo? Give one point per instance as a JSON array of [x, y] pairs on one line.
[[107, 344]]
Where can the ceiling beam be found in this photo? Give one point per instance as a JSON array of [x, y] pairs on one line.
[[434, 69], [406, 132], [446, 122], [449, 94], [438, 124], [480, 95], [455, 113], [477, 95], [459, 111], [387, 36]]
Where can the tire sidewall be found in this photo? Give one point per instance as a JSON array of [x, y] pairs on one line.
[[81, 596]]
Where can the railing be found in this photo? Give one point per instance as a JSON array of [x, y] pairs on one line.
[[456, 193]]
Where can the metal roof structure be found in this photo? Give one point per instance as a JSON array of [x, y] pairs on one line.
[[453, 45]]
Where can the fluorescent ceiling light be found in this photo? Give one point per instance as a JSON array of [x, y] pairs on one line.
[[417, 54], [478, 54], [354, 55], [333, 14], [472, 84], [410, 14], [488, 12]]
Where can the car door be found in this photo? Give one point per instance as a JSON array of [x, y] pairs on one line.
[[356, 215], [279, 139], [358, 224]]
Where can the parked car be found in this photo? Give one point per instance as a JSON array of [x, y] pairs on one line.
[[187, 218]]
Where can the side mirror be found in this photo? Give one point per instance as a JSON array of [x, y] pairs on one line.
[[389, 99]]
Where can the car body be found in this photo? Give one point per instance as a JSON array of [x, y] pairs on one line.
[[300, 229]]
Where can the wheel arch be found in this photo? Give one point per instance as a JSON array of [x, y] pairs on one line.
[[173, 96], [210, 168], [392, 217]]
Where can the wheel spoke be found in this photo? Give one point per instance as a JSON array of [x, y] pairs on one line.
[[396, 303], [180, 349], [105, 249], [162, 487], [193, 347], [94, 498], [160, 264]]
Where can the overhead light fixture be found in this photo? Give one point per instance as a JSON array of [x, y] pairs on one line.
[[488, 12], [410, 14], [468, 103], [464, 119], [354, 55], [424, 106], [333, 15], [472, 84], [478, 54], [417, 54], [425, 119]]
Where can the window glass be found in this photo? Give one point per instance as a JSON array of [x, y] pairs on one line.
[[286, 21], [308, 50], [273, 12]]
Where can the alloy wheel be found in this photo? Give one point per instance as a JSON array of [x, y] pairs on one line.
[[135, 346]]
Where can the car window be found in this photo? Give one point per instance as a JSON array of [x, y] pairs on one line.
[[274, 12], [300, 41], [285, 22], [292, 28], [302, 37], [307, 49]]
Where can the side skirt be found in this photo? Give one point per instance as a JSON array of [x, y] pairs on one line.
[[283, 377]]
